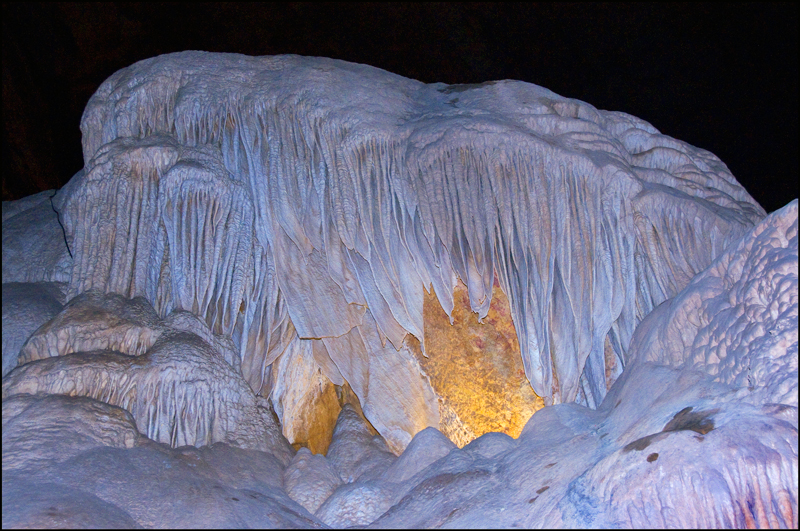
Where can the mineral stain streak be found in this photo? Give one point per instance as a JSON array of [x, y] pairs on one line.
[[700, 422]]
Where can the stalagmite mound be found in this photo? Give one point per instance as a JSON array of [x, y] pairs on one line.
[[177, 385], [263, 252]]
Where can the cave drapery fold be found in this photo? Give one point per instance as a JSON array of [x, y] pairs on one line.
[[282, 197]]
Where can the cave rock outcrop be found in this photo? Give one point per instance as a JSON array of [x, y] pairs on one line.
[[180, 382], [395, 277], [256, 192]]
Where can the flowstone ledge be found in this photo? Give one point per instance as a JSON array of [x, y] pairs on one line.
[[263, 248]]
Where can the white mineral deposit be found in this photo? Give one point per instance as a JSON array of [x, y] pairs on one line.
[[223, 321]]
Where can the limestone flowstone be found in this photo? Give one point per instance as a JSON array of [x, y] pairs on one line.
[[176, 384], [397, 277], [305, 199], [475, 368]]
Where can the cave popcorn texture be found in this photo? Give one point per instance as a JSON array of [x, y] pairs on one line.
[[243, 220]]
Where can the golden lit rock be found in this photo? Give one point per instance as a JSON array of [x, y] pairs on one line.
[[305, 400], [476, 368]]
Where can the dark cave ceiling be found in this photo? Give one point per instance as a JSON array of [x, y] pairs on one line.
[[723, 78]]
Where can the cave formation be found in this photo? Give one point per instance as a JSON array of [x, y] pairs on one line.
[[349, 298]]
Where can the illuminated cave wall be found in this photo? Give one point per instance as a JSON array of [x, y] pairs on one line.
[[239, 230], [476, 369], [290, 199]]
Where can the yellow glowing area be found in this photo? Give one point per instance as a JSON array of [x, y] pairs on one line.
[[476, 368], [311, 425]]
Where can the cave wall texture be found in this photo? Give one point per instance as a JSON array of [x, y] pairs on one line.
[[300, 292]]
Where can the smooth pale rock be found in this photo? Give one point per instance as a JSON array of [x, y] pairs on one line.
[[354, 451], [34, 248], [476, 369], [310, 479], [237, 468], [61, 450], [44, 430], [26, 306], [52, 506], [436, 499], [356, 504], [490, 445], [160, 487], [427, 447]]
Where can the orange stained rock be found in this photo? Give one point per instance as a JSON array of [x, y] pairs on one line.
[[314, 423], [476, 368]]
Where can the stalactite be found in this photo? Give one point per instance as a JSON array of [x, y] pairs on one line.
[[347, 190]]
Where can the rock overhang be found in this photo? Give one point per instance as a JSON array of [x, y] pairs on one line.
[[299, 206]]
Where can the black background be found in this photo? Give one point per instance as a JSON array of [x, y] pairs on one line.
[[719, 76]]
